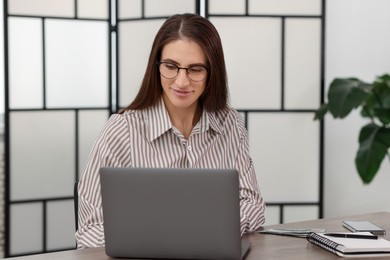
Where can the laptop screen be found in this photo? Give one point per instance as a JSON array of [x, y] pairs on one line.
[[171, 213]]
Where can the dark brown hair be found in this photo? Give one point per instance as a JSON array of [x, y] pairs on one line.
[[201, 31]]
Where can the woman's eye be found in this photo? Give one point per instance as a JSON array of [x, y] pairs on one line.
[[170, 66], [196, 69]]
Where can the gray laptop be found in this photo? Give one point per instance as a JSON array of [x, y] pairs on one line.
[[172, 213]]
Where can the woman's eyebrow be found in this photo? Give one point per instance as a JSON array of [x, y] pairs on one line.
[[170, 60], [178, 64]]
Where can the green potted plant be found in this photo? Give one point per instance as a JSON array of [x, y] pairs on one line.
[[346, 94]]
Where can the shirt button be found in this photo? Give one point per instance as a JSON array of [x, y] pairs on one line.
[[189, 148]]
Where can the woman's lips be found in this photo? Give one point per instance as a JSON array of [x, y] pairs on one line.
[[181, 93]]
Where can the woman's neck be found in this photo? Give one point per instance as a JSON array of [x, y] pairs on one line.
[[185, 119]]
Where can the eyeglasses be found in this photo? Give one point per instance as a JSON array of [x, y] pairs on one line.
[[170, 70]]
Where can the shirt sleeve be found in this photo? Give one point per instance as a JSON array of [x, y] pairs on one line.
[[111, 149], [252, 205]]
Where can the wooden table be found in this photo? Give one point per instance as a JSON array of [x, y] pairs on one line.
[[283, 247], [264, 246]]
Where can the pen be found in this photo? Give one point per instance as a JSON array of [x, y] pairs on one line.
[[351, 236]]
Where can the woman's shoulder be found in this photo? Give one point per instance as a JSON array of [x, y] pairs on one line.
[[125, 116], [126, 119], [116, 119], [115, 123], [229, 113], [229, 117], [119, 120]]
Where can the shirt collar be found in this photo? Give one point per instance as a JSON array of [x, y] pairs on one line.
[[215, 122], [159, 121]]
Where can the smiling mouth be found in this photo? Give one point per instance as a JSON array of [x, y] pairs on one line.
[[181, 92]]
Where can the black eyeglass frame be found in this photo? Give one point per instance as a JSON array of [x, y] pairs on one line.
[[181, 68]]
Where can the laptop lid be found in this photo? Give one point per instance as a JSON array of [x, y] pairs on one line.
[[171, 213]]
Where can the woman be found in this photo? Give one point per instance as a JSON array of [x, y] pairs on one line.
[[180, 118]]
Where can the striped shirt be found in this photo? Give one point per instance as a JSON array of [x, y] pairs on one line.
[[147, 138]]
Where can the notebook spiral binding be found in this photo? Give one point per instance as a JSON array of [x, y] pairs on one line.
[[323, 242]]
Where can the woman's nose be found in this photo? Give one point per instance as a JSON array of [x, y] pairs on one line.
[[182, 78]]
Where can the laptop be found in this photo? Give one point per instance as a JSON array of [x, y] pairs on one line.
[[172, 213]]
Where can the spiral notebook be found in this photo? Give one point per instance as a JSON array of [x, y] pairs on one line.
[[351, 247]]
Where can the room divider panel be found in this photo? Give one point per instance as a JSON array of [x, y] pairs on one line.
[[274, 52], [58, 81], [69, 64]]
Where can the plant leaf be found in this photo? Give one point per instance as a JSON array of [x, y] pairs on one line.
[[374, 143], [377, 103], [383, 114], [381, 91], [385, 79], [320, 113], [345, 95]]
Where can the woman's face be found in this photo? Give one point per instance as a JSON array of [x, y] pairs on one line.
[[180, 92]]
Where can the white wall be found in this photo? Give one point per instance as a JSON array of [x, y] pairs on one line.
[[357, 44]]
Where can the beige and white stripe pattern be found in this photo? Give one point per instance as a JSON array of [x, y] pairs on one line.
[[146, 138]]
